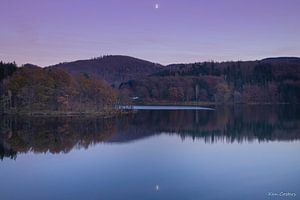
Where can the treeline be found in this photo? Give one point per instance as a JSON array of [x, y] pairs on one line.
[[31, 88], [265, 81], [7, 69], [178, 88], [79, 86]]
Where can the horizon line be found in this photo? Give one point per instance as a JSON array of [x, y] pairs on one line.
[[148, 60]]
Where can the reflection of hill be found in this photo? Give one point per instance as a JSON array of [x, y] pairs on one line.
[[54, 134], [264, 123], [225, 124]]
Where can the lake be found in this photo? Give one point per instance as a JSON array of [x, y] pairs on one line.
[[137, 107], [241, 152]]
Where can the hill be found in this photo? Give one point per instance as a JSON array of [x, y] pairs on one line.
[[76, 85], [113, 69], [271, 80]]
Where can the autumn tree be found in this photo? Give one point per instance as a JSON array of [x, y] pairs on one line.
[[54, 89]]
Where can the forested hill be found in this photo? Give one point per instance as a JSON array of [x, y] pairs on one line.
[[114, 69], [271, 80], [78, 86]]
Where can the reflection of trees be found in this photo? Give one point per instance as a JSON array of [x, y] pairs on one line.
[[240, 124], [6, 152], [228, 124], [53, 134]]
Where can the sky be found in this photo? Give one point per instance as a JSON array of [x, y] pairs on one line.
[[46, 32]]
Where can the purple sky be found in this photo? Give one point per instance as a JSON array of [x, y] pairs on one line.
[[46, 32]]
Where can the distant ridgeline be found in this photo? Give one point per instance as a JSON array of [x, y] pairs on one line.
[[95, 84]]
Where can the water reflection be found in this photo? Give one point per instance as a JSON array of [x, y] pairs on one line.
[[229, 124]]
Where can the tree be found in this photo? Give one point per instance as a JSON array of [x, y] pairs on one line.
[[42, 89], [223, 93], [7, 69]]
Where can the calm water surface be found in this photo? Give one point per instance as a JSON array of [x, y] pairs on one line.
[[226, 153], [137, 107]]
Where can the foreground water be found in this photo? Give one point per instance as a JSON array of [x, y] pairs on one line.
[[227, 153]]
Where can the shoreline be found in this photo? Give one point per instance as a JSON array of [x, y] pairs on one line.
[[116, 112], [47, 113], [207, 104]]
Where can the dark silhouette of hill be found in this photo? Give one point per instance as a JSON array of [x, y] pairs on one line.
[[282, 59], [114, 69], [31, 66]]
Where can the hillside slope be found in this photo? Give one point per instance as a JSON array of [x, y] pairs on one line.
[[114, 69], [271, 80]]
